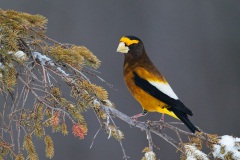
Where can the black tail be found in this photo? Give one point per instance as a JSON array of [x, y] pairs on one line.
[[184, 118]]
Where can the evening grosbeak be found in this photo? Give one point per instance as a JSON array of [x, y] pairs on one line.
[[147, 84]]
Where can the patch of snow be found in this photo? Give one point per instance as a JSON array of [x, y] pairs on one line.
[[10, 52], [227, 144], [42, 58], [150, 155], [110, 132], [96, 102], [193, 153], [20, 55], [46, 60], [62, 71], [1, 66], [108, 103]]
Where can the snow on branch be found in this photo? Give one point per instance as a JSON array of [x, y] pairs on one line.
[[192, 153], [228, 147]]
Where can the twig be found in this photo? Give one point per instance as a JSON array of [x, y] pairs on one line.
[[142, 125], [77, 71], [101, 79], [181, 142], [94, 137], [150, 142]]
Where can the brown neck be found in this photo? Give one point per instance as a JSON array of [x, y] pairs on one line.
[[136, 60]]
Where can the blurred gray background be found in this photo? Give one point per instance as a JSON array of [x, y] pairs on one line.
[[195, 44]]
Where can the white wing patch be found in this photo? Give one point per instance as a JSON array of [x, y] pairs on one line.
[[165, 88]]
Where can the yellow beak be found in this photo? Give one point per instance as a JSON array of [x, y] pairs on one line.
[[122, 48]]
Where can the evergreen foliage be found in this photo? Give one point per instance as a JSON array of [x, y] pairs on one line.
[[31, 67]]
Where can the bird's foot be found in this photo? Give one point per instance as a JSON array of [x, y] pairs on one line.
[[161, 127], [135, 117], [161, 120]]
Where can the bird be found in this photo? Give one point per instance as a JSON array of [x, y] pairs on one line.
[[147, 84]]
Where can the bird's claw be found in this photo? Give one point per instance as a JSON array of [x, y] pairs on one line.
[[161, 127], [134, 118]]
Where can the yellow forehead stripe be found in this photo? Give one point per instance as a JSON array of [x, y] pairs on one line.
[[128, 41]]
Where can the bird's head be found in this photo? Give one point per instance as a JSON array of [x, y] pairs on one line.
[[130, 45]]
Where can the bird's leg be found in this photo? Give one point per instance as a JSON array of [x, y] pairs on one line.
[[161, 120], [135, 117]]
